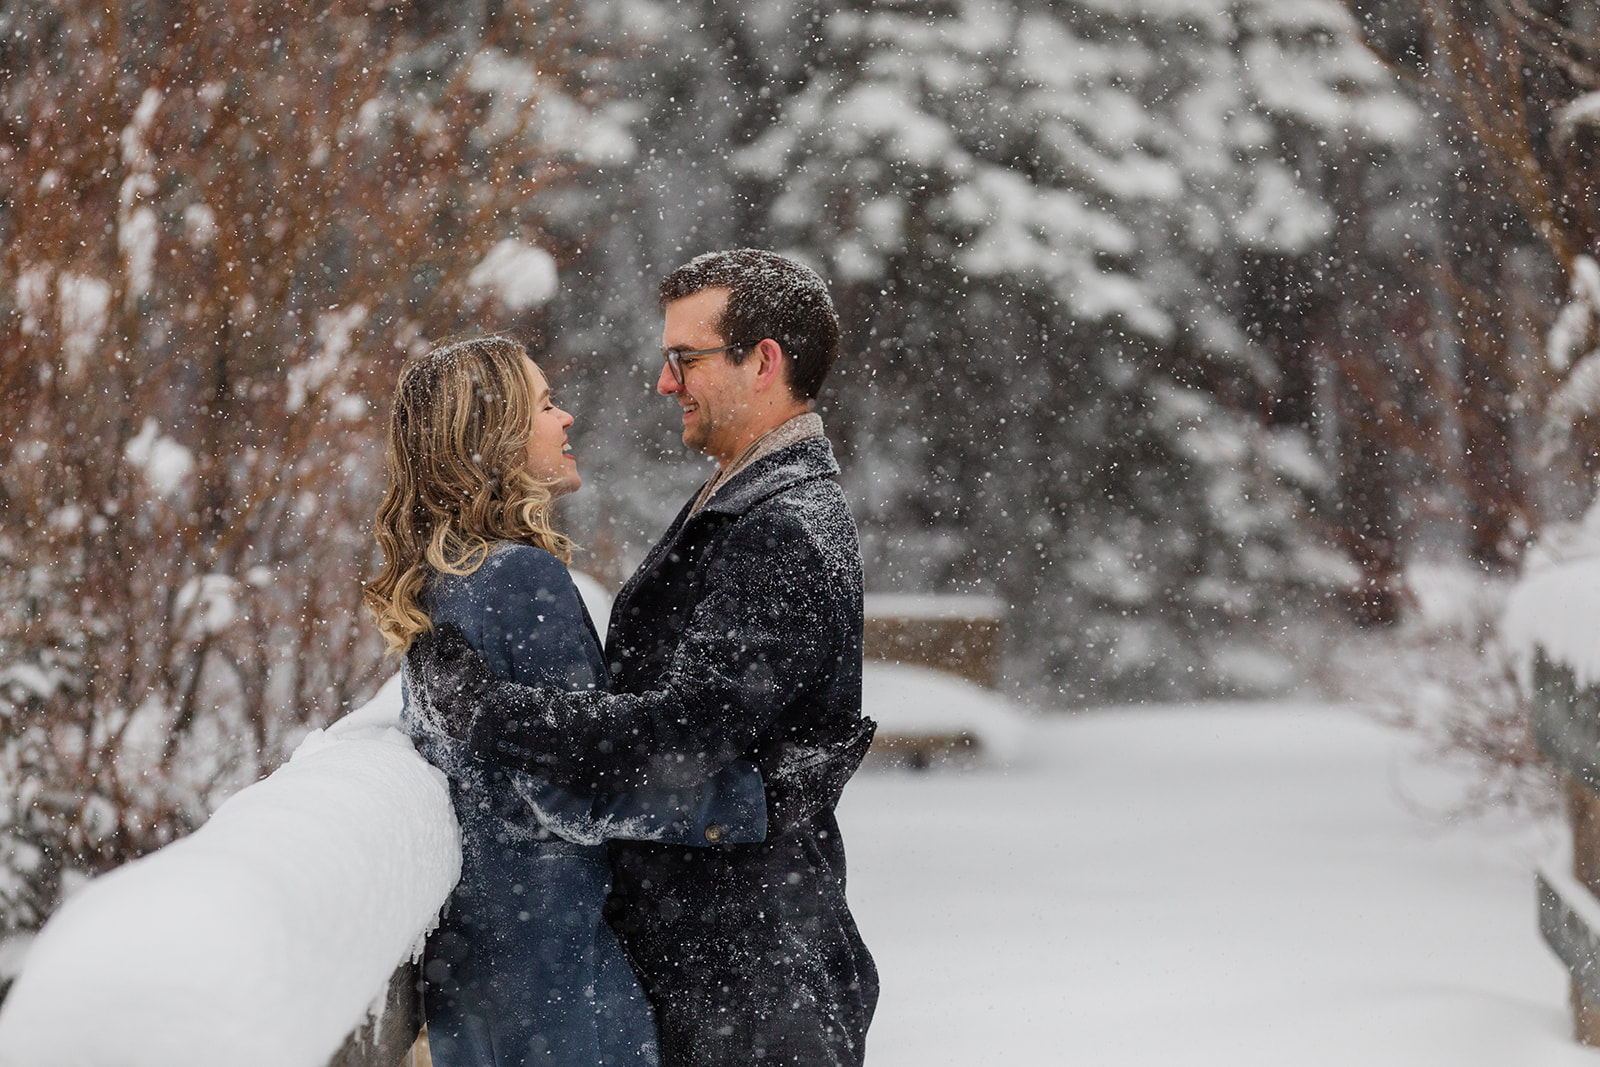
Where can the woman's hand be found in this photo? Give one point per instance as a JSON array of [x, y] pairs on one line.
[[449, 678]]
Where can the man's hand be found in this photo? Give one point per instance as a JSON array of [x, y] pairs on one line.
[[448, 678], [805, 777]]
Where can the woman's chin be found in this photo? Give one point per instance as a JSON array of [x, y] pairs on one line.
[[560, 483]]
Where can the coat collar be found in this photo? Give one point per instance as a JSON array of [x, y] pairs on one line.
[[802, 461]]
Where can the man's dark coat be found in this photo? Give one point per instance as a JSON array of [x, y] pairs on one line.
[[739, 636]]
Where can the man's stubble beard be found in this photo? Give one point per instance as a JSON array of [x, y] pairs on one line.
[[697, 436]]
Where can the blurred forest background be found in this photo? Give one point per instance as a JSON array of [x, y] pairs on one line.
[[1185, 327]]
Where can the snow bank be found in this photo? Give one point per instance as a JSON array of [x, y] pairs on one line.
[[263, 938]]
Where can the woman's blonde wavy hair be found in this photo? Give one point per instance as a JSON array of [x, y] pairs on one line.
[[457, 477]]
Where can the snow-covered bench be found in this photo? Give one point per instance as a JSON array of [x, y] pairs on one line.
[[926, 715], [275, 935], [927, 655]]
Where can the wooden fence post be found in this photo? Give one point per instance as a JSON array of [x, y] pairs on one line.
[[387, 1039], [1566, 720]]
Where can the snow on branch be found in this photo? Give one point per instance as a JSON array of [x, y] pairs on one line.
[[522, 275], [1573, 331], [1584, 112], [1573, 348]]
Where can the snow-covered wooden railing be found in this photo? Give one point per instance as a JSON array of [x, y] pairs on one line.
[[1553, 622], [281, 933]]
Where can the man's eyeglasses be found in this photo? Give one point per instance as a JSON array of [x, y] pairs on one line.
[[677, 361]]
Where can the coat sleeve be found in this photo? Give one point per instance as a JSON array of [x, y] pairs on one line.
[[758, 635], [728, 808], [523, 612], [806, 777], [532, 629]]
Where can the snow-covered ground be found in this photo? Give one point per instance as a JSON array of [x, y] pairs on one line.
[[1277, 884], [1234, 885]]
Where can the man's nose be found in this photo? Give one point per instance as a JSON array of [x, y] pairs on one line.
[[666, 384]]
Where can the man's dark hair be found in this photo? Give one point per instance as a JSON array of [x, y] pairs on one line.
[[768, 296]]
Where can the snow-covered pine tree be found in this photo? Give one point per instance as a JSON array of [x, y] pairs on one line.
[[1040, 219]]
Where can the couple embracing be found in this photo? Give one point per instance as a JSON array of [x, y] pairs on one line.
[[651, 868]]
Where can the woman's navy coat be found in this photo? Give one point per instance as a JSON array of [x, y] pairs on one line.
[[523, 968]]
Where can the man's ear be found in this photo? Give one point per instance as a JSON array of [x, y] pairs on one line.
[[771, 368]]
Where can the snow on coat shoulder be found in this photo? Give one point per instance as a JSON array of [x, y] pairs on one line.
[[267, 935]]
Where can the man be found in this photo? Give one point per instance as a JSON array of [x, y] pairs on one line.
[[738, 637]]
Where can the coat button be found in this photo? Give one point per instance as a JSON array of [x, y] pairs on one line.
[[713, 833]]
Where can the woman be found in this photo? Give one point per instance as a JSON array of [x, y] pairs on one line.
[[523, 968]]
